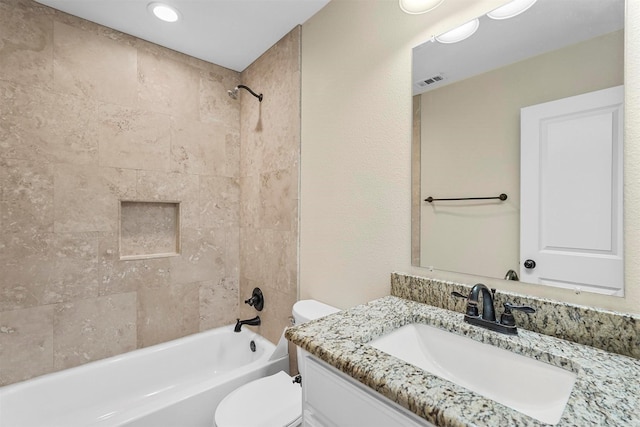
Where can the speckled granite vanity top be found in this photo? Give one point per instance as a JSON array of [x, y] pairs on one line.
[[606, 392]]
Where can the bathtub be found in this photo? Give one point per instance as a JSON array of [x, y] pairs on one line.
[[175, 384]]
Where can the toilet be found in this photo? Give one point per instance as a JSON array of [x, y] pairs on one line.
[[274, 400]]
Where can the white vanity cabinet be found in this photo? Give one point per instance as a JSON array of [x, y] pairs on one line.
[[333, 399]]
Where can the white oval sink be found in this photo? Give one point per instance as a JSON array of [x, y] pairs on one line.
[[534, 388]]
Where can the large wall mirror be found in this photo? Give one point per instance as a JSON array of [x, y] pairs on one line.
[[546, 87]]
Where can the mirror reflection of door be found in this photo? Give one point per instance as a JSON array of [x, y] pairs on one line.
[[467, 125], [571, 174]]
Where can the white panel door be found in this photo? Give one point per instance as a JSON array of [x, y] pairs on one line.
[[571, 193]]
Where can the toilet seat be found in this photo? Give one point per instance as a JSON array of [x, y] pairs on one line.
[[270, 401]]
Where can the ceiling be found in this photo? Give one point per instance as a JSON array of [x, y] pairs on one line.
[[230, 33], [548, 25]]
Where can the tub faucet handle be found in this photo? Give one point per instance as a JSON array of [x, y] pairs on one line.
[[256, 300]]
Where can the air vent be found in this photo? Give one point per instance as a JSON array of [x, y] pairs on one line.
[[431, 80]]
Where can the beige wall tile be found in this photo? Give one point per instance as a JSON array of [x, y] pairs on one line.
[[133, 139], [232, 143], [121, 276], [232, 252], [167, 86], [25, 269], [36, 123], [278, 199], [47, 268], [218, 303], [26, 343], [94, 66], [93, 329], [80, 246], [191, 314], [71, 280], [269, 256], [166, 313], [198, 65], [27, 190], [252, 145], [219, 202], [73, 272], [202, 257], [199, 148], [26, 43], [215, 105], [16, 292], [87, 198], [126, 276], [250, 201]]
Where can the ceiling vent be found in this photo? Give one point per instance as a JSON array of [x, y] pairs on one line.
[[431, 80]]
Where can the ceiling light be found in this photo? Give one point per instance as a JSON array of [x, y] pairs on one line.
[[511, 9], [163, 12], [415, 7], [460, 33]]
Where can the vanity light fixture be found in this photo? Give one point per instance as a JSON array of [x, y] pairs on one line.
[[511, 9], [460, 33], [163, 12], [416, 7]]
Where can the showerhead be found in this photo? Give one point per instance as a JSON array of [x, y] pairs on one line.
[[234, 92]]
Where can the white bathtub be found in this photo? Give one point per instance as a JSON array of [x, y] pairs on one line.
[[174, 384]]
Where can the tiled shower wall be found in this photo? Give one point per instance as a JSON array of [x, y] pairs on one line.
[[89, 117], [269, 165]]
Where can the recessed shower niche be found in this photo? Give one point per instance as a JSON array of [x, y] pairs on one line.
[[149, 229]]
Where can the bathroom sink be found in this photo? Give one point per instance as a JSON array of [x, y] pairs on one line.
[[531, 387]]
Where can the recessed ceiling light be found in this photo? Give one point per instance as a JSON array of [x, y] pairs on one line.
[[511, 9], [460, 33], [415, 7], [164, 12]]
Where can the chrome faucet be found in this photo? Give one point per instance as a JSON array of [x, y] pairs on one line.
[[251, 322], [506, 325]]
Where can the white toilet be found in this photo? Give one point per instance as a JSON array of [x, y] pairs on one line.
[[274, 400]]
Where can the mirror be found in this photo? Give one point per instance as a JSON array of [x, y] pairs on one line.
[[466, 136]]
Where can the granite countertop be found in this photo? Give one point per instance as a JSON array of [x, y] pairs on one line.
[[606, 391]]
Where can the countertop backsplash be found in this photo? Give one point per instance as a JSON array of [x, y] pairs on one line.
[[607, 330]]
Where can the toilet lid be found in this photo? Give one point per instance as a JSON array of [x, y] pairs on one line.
[[270, 401]]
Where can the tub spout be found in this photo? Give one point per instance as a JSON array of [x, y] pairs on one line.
[[252, 322]]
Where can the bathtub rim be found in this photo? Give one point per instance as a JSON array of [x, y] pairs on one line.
[[187, 389], [269, 348]]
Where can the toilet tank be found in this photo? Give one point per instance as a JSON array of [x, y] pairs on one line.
[[306, 310], [309, 309]]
